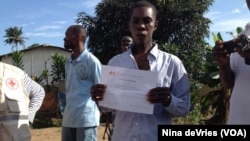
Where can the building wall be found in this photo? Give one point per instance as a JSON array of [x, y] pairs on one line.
[[37, 59]]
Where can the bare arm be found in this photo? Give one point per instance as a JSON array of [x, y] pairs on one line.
[[222, 57], [226, 76]]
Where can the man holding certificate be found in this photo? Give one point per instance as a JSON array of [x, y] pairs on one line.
[[167, 95]]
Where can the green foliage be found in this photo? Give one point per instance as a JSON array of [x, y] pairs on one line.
[[45, 76], [110, 25], [38, 79], [215, 104], [112, 17], [195, 113], [195, 116], [217, 37], [57, 67], [238, 30], [210, 70], [86, 20], [17, 59], [57, 72], [214, 107], [14, 37]]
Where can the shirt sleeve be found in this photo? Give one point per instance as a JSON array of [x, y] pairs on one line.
[[36, 94], [180, 91]]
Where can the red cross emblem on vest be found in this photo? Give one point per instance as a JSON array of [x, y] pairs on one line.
[[12, 83]]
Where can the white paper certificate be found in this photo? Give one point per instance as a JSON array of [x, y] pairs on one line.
[[127, 89]]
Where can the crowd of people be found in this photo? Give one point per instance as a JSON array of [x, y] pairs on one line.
[[21, 97]]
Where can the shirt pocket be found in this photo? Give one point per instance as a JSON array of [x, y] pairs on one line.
[[83, 73], [13, 103]]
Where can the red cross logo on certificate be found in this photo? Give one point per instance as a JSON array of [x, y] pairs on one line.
[[12, 83], [112, 73]]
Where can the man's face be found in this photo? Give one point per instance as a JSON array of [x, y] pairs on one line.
[[69, 40], [142, 24], [126, 42]]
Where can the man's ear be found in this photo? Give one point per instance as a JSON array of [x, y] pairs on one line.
[[156, 25]]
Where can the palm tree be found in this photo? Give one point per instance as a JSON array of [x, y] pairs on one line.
[[14, 37]]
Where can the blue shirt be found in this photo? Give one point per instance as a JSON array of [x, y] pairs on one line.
[[81, 74], [143, 127]]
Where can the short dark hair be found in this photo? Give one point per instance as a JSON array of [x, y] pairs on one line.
[[78, 29], [124, 39], [143, 3]]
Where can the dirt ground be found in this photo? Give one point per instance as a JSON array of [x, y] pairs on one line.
[[54, 134]]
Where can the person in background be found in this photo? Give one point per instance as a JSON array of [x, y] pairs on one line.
[[234, 71], [82, 70], [171, 97], [20, 99], [125, 43]]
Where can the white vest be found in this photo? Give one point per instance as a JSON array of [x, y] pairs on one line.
[[13, 98]]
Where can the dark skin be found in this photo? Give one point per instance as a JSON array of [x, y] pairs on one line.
[[75, 41], [222, 56], [125, 43], [142, 25]]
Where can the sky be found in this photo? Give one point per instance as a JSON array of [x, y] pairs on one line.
[[45, 21]]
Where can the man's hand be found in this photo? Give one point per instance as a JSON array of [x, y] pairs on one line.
[[159, 95], [220, 53], [97, 92]]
